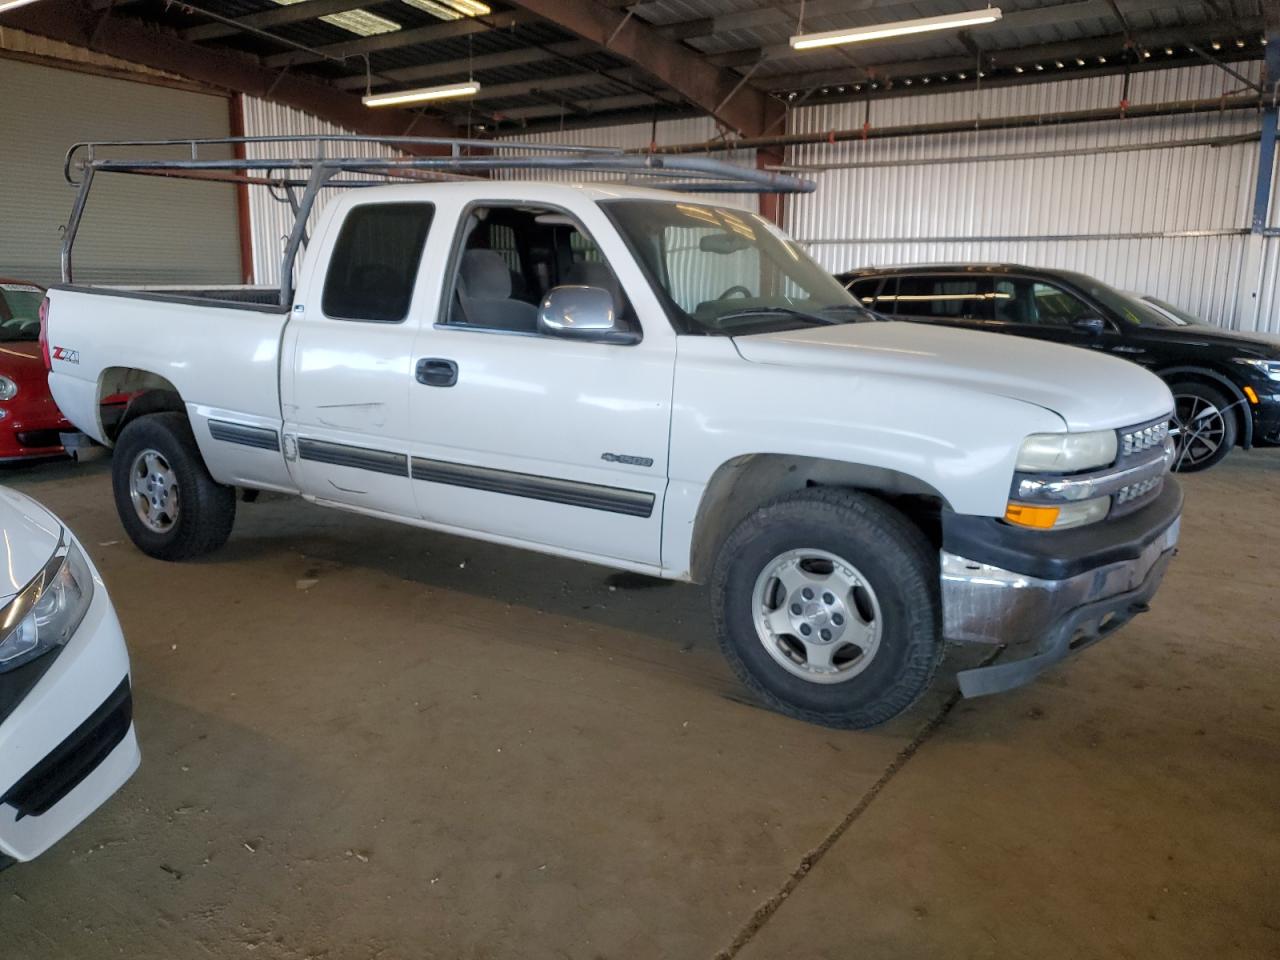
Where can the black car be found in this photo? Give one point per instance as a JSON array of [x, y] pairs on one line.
[[1226, 385]]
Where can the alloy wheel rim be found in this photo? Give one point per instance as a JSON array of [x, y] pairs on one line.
[[816, 616], [153, 488], [1199, 428]]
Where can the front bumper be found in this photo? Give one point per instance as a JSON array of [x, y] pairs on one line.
[[1048, 603], [1266, 418], [68, 744], [30, 429]]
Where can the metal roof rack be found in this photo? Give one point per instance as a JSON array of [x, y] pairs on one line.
[[441, 159]]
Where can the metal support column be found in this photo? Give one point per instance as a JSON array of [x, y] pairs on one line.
[[1271, 112]]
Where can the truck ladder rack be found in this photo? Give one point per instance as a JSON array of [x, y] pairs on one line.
[[331, 161]]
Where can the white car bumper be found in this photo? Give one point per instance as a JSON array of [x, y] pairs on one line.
[[69, 744]]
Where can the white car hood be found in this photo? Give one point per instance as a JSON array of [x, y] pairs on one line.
[[1089, 391], [28, 536]]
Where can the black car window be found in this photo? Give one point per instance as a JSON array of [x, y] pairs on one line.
[[1053, 306], [375, 262], [864, 291], [945, 297]]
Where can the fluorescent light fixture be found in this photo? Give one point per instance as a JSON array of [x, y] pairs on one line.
[[451, 9], [360, 22], [468, 88], [13, 4], [950, 21]]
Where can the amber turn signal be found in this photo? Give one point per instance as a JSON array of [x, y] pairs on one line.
[[1251, 394], [1024, 515]]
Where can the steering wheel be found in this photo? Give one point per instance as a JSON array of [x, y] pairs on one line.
[[736, 288]]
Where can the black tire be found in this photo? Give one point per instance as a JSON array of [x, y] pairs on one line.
[[898, 564], [1188, 397], [206, 509]]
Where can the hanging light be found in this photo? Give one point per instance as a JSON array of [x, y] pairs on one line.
[[13, 4], [395, 98], [900, 28]]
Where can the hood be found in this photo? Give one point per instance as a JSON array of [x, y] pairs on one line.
[[1087, 390], [28, 536], [1262, 345]]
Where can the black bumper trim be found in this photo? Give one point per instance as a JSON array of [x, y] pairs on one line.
[[1056, 555], [65, 766]]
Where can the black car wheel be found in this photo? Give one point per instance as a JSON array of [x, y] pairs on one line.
[[1204, 426]]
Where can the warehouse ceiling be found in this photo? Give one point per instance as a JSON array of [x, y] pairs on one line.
[[548, 64]]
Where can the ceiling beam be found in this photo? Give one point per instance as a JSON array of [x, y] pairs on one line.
[[76, 23], [277, 17], [1022, 56], [461, 68], [524, 88], [716, 92], [587, 107], [404, 38], [1033, 18]]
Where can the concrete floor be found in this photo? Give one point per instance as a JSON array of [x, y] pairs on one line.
[[365, 741]]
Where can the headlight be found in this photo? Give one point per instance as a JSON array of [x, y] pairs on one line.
[[1059, 516], [1268, 368], [8, 389], [1066, 452], [48, 610]]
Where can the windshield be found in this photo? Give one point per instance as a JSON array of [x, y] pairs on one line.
[[728, 272], [19, 312], [1128, 308]]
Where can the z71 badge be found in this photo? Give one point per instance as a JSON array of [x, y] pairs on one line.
[[64, 354]]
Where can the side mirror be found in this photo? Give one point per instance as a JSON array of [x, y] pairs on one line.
[[1093, 325], [583, 313]]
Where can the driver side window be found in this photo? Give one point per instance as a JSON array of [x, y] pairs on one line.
[[510, 258]]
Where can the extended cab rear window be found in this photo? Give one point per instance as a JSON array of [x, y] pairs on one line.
[[375, 262]]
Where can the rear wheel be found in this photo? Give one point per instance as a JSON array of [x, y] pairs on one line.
[[826, 606], [170, 506], [1204, 426]]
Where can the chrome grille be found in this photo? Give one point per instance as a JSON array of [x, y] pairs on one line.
[[1143, 438], [1136, 491]]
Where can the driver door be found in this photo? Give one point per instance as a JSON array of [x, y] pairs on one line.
[[531, 438]]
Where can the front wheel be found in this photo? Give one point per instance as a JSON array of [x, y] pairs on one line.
[[1204, 426], [170, 506], [826, 606]]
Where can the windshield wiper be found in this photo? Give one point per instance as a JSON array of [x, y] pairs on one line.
[[777, 311]]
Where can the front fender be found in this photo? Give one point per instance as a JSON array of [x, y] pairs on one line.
[[949, 437]]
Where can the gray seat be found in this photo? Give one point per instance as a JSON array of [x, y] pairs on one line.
[[484, 294]]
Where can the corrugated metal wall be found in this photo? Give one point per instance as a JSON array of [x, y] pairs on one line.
[[270, 219], [1171, 221]]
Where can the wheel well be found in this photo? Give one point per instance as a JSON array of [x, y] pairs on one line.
[[126, 393], [744, 483], [1216, 381]]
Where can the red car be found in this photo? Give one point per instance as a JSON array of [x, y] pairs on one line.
[[30, 422]]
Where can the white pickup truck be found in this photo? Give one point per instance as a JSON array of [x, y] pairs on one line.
[[635, 379]]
